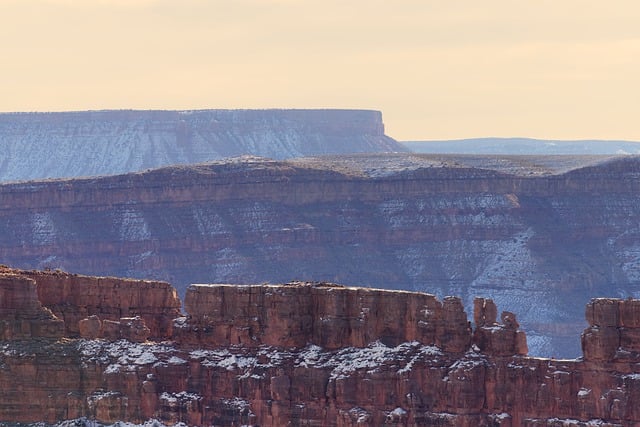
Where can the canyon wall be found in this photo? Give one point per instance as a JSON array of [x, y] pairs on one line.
[[89, 143], [309, 354], [539, 235]]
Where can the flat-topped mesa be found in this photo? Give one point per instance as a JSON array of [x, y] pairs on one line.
[[614, 330], [323, 314], [113, 304], [49, 145]]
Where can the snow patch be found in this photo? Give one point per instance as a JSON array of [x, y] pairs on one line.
[[43, 230], [132, 225]]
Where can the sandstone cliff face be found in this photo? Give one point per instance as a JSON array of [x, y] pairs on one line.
[[22, 316], [71, 298], [540, 236], [339, 360], [52, 145], [331, 317]]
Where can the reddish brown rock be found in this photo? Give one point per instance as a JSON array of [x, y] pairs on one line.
[[614, 331], [327, 315], [74, 297], [110, 330], [485, 312], [134, 329], [318, 354], [505, 339], [521, 346], [509, 320], [90, 328], [600, 343], [629, 313], [21, 313], [603, 312]]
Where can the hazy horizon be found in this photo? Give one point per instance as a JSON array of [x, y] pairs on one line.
[[437, 70]]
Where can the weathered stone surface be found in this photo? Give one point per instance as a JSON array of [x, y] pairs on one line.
[[323, 314], [73, 297], [134, 329], [509, 320], [90, 328], [504, 339], [131, 329], [485, 312], [21, 313], [600, 343], [629, 313], [603, 312], [619, 339]]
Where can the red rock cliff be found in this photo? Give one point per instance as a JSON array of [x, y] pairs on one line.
[[73, 297], [331, 317], [316, 354]]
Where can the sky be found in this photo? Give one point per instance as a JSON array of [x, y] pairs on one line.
[[446, 69]]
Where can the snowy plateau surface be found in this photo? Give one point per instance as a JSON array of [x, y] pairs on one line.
[[90, 143]]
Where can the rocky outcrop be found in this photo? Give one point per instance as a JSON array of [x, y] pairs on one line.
[[504, 339], [88, 143], [614, 330], [540, 236], [115, 308], [314, 354], [332, 317], [22, 316]]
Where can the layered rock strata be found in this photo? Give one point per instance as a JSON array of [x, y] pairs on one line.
[[538, 235], [297, 314], [315, 354]]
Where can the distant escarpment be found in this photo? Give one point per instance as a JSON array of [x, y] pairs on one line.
[[302, 353], [521, 146], [89, 143], [539, 235]]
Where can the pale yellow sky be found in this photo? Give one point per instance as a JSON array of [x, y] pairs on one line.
[[563, 69]]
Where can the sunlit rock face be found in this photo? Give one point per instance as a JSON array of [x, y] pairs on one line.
[[88, 143], [306, 353], [538, 235]]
